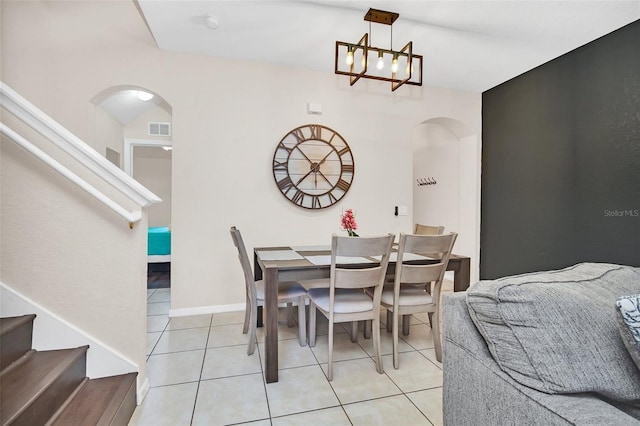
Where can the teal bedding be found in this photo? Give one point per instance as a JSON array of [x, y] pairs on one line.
[[159, 240]]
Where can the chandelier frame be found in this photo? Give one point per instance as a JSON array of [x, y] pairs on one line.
[[363, 50]]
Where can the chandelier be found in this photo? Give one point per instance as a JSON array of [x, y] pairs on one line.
[[362, 60]]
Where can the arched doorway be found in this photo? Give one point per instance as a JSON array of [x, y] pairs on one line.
[[447, 152], [131, 126]]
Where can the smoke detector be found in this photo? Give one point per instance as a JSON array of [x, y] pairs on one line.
[[211, 22]]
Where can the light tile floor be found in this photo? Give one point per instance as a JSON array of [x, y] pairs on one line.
[[200, 374]]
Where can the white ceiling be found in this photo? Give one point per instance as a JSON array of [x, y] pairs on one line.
[[471, 45], [125, 106]]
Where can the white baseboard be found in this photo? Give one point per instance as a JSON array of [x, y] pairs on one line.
[[142, 390], [214, 309], [203, 310], [52, 332]]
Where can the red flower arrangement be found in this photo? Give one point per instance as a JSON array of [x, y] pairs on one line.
[[348, 222]]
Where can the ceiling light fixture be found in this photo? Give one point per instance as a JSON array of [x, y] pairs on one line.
[[144, 96], [362, 53]]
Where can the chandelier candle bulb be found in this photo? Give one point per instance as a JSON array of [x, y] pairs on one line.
[[394, 64], [349, 59]]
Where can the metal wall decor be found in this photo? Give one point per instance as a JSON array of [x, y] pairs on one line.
[[313, 166], [427, 181], [396, 66]]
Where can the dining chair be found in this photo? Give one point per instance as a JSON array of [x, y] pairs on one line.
[[408, 294], [344, 300], [428, 230], [289, 292], [419, 230]]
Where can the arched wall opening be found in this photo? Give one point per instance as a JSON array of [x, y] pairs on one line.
[[447, 152], [122, 121]]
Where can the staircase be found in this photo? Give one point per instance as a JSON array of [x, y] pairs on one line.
[[51, 387]]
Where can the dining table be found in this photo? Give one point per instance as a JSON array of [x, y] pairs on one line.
[[299, 263]]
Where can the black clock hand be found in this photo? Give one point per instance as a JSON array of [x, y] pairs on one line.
[[303, 154], [325, 178], [325, 157], [304, 177]]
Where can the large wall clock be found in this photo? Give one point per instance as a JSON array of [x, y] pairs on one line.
[[313, 166]]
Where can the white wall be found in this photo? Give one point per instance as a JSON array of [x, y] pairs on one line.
[[227, 120], [436, 156], [139, 129], [444, 151], [152, 168], [108, 133], [65, 251]]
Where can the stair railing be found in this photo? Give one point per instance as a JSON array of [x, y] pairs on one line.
[[131, 217], [11, 101]]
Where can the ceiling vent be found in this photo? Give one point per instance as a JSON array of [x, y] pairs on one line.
[[159, 129]]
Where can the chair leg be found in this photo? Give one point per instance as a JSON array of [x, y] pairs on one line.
[[247, 317], [312, 324], [253, 325], [354, 331], [376, 344], [396, 356], [367, 329], [406, 321], [389, 321], [430, 319], [302, 323], [259, 322], [290, 321], [330, 365], [435, 326]]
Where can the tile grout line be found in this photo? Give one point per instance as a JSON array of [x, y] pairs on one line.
[[204, 357], [264, 381], [359, 343]]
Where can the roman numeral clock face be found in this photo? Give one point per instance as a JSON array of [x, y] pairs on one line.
[[313, 166]]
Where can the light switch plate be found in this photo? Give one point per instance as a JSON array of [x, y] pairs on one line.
[[403, 211]]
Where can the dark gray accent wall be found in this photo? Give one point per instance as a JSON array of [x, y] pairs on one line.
[[561, 161]]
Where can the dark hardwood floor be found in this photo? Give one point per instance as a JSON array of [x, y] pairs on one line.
[[159, 275]]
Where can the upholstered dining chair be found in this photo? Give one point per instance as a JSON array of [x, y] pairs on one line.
[[288, 292], [345, 300], [408, 293], [428, 230]]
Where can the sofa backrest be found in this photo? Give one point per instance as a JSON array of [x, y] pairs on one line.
[[557, 332]]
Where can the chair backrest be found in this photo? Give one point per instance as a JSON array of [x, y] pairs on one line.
[[366, 275], [435, 246], [244, 262], [428, 230]]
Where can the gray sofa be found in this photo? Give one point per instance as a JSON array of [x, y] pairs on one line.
[[540, 349]]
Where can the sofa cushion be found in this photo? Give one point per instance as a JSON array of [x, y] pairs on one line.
[[628, 314], [554, 331]]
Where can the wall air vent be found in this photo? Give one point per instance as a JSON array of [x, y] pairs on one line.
[[159, 129]]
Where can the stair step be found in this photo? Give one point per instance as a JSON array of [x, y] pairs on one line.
[[15, 338], [104, 401], [33, 390]]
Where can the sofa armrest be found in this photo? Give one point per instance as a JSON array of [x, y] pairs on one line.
[[476, 391]]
